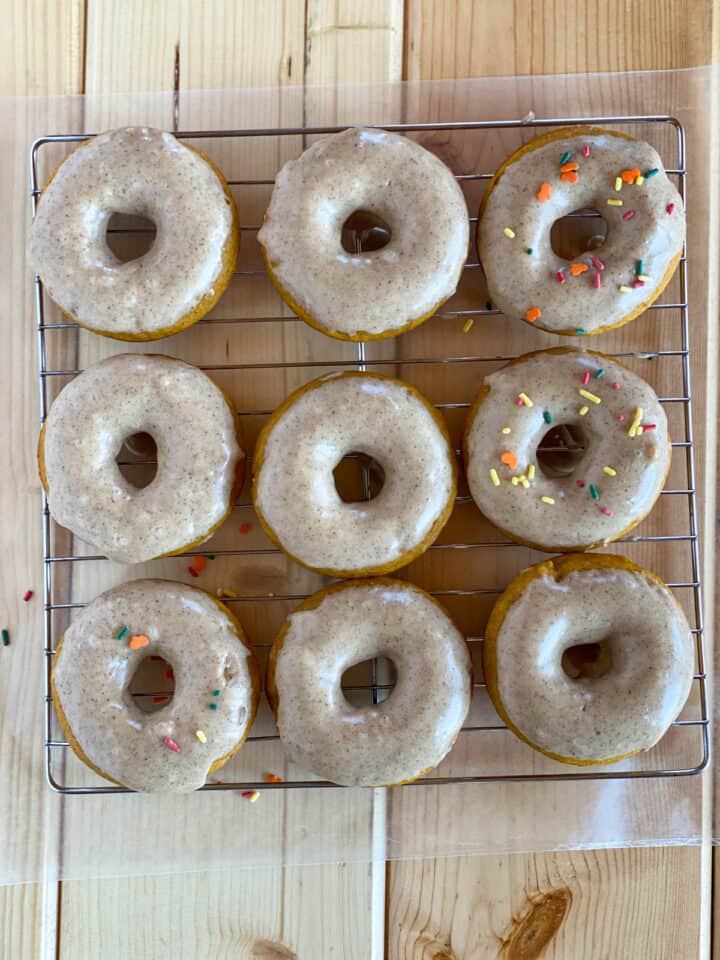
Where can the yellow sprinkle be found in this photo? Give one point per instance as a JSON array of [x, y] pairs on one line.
[[506, 430], [614, 203], [583, 410], [515, 481], [510, 234], [468, 325], [201, 736], [645, 278], [525, 399], [609, 471], [623, 289], [618, 184], [547, 500], [639, 180], [590, 396], [524, 482], [531, 471], [636, 422], [494, 477], [224, 592]]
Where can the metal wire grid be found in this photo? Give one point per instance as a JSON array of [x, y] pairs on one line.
[[376, 690]]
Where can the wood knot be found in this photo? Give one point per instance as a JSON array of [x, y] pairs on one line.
[[270, 950], [532, 933]]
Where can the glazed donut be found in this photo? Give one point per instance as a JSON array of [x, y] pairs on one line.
[[571, 169], [376, 294], [613, 413], [601, 609], [141, 171], [216, 694], [397, 740], [294, 491], [200, 464]]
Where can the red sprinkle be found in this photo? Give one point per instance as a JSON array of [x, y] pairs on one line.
[[596, 281], [586, 377], [171, 745], [579, 483], [193, 572], [560, 276], [670, 208], [628, 215], [28, 595], [272, 778], [248, 794], [620, 417], [638, 283], [649, 426], [518, 402], [160, 699], [616, 386], [586, 150], [606, 511], [245, 528], [598, 264]]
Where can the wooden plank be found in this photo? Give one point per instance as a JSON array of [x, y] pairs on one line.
[[43, 45], [467, 38]]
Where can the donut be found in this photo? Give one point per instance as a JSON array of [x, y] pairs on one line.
[[294, 491], [217, 685], [397, 740], [145, 172], [200, 464], [541, 499], [378, 293], [567, 170], [588, 658]]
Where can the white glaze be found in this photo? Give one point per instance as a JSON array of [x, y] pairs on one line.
[[141, 171], [518, 281], [404, 735], [552, 381], [396, 179], [295, 491], [627, 709], [93, 669], [197, 450]]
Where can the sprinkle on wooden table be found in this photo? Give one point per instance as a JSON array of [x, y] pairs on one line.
[[468, 325], [201, 736], [494, 477], [547, 500], [272, 778], [583, 411], [245, 528], [5, 637], [252, 795], [612, 202], [138, 641], [123, 633], [532, 314], [28, 595], [193, 572], [525, 399], [593, 398], [171, 745], [199, 563], [224, 592], [510, 234], [610, 471]]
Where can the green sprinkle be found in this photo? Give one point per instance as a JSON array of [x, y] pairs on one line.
[[599, 373], [212, 706], [565, 157], [594, 492], [579, 332], [529, 250], [546, 416], [211, 556], [651, 173], [639, 267], [123, 633], [488, 305], [5, 638], [216, 693]]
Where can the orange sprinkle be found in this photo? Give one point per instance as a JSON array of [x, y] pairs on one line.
[[272, 778], [545, 192], [577, 268], [571, 177], [629, 176], [245, 528], [509, 459], [569, 167], [199, 563], [532, 313], [137, 641], [160, 699]]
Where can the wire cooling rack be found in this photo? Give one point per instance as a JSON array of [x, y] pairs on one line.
[[61, 554]]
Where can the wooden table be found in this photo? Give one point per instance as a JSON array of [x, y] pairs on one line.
[[625, 904]]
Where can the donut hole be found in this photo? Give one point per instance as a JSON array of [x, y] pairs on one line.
[[137, 460], [369, 682], [561, 450], [152, 685], [130, 236], [364, 232], [578, 232], [358, 477], [587, 661]]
